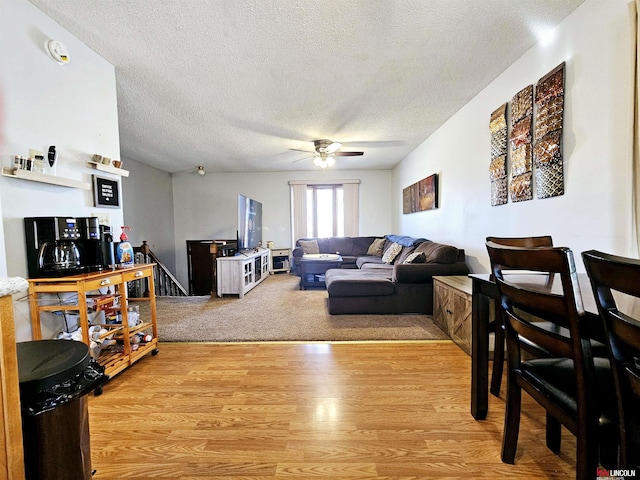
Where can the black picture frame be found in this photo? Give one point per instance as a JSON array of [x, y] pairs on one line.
[[106, 192]]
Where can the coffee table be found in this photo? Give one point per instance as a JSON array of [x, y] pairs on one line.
[[313, 267]]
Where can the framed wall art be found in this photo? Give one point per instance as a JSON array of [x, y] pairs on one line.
[[106, 192], [421, 196]]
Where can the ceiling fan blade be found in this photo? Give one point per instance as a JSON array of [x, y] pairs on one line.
[[300, 150], [348, 154], [301, 159], [333, 147]]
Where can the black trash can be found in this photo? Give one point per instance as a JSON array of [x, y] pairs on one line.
[[55, 376]]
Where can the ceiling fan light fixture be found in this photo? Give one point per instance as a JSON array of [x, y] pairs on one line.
[[331, 161], [317, 161]]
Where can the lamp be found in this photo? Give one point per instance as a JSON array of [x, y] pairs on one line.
[[323, 160], [201, 171]]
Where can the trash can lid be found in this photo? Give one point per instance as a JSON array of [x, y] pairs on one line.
[[45, 363]]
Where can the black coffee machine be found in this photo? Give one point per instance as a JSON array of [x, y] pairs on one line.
[[61, 246]]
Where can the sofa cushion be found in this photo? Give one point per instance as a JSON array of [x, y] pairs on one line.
[[324, 244], [357, 283], [391, 253], [381, 267], [404, 253], [415, 257], [348, 261], [376, 248], [343, 245], [365, 259], [362, 244], [438, 252], [309, 246]]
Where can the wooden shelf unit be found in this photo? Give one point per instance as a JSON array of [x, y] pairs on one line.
[[108, 168], [238, 274], [113, 359], [44, 178], [280, 260]]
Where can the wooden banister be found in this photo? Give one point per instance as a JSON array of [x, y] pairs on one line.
[[166, 285]]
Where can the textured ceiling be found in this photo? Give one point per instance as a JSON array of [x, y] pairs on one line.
[[235, 84]]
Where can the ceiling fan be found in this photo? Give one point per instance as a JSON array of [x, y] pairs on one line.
[[325, 153]]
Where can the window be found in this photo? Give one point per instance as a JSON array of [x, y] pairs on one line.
[[320, 209], [325, 211]]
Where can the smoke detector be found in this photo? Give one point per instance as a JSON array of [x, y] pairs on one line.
[[57, 51]]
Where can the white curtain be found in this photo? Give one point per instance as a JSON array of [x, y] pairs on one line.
[[635, 231], [351, 209], [298, 190], [298, 211]]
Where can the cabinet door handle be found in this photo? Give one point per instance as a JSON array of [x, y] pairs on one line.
[[106, 281], [138, 274], [449, 312]]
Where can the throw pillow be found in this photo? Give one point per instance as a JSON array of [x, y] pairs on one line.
[[376, 248], [391, 253], [415, 257], [309, 246]]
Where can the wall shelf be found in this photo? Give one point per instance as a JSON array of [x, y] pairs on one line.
[[108, 168], [43, 178]]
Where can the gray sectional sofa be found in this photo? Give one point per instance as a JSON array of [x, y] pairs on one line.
[[372, 281]]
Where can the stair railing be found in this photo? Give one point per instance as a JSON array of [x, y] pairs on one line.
[[166, 285]]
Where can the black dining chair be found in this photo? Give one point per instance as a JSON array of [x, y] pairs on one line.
[[497, 325], [571, 385], [610, 274]]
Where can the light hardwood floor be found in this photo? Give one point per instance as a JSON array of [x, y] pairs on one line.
[[301, 411]]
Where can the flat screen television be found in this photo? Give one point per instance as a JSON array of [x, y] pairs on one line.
[[249, 223]]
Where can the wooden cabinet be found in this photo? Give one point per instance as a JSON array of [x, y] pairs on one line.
[[452, 308], [104, 296], [201, 257], [280, 260], [238, 274]]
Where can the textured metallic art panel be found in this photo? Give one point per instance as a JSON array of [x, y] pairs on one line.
[[520, 188], [547, 151], [522, 104], [499, 192], [498, 166]]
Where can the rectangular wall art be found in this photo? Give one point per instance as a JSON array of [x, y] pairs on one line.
[[498, 165], [547, 152], [420, 196], [534, 160], [521, 137]]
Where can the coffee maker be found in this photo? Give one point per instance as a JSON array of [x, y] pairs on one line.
[[61, 246]]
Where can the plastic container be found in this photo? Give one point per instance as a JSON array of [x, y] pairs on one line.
[[124, 250]]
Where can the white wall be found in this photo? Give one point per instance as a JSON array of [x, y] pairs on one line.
[[206, 207], [595, 210], [148, 195], [42, 103]]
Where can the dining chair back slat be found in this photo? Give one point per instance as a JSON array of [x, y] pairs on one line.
[[611, 275], [497, 325]]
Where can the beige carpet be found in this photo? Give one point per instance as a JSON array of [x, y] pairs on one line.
[[276, 310]]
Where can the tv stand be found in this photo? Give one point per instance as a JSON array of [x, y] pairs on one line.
[[238, 274]]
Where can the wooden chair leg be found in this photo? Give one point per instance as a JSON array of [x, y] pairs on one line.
[[587, 452], [511, 423], [498, 357], [554, 432]]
